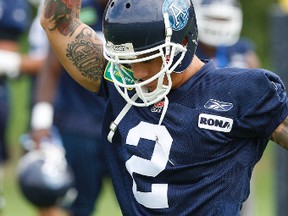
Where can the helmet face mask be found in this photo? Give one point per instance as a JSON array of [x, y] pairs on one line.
[[124, 85], [219, 21], [135, 33]]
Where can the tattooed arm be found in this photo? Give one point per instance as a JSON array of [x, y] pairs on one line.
[[75, 44], [280, 135]]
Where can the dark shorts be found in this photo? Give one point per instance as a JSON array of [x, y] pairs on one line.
[[85, 154]]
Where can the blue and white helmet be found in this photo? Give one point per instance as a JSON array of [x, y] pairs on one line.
[[137, 31], [45, 179]]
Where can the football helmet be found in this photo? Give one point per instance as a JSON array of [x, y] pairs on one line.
[[219, 21], [137, 31], [45, 179]]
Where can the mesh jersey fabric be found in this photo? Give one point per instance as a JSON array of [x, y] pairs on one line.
[[202, 168]]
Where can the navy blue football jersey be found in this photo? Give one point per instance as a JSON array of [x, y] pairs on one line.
[[200, 159]]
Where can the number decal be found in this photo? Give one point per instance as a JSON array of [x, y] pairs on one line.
[[158, 197]]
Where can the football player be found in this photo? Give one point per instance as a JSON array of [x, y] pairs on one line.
[[182, 136], [219, 25]]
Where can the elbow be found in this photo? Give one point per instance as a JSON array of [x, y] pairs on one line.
[[44, 21]]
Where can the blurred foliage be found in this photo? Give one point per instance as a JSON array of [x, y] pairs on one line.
[[256, 15]]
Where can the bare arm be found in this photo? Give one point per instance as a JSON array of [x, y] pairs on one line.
[[280, 135], [75, 44], [45, 89], [47, 79]]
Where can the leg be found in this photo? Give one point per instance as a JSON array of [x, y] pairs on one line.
[[86, 158]]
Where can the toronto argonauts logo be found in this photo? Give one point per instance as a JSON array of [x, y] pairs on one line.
[[178, 12]]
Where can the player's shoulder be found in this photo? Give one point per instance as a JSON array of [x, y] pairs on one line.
[[253, 74], [243, 45], [247, 81], [245, 41]]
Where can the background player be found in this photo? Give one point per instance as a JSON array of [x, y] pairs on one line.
[[220, 24], [14, 21]]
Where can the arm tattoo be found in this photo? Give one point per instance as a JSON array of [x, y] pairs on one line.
[[62, 14], [86, 55]]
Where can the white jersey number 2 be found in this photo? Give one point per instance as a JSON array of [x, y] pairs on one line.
[[158, 197]]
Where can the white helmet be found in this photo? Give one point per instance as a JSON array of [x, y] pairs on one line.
[[219, 21]]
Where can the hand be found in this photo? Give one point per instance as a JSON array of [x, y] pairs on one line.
[[9, 63], [32, 140], [41, 124], [38, 135]]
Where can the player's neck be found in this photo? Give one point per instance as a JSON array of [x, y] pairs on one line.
[[179, 79]]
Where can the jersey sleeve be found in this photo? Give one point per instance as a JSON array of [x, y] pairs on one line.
[[267, 110]]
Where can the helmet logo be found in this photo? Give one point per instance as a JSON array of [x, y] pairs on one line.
[[128, 47], [178, 13]]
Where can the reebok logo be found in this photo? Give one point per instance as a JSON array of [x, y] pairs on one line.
[[215, 123], [218, 105]]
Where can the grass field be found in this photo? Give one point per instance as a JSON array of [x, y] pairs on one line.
[[107, 205]]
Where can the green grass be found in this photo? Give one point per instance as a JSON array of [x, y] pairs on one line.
[[264, 184]]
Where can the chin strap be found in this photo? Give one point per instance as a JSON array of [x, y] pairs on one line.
[[114, 124], [165, 107]]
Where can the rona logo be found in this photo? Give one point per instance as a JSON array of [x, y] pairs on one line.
[[215, 123]]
